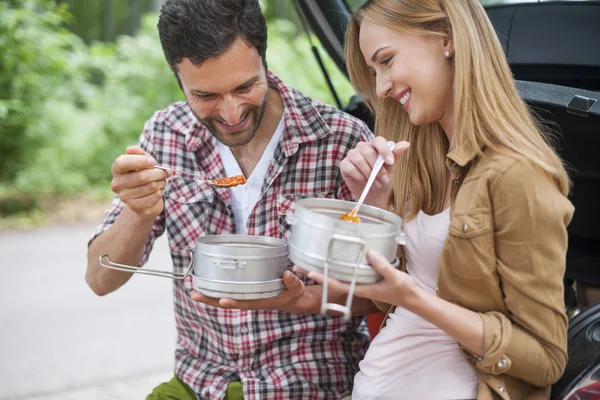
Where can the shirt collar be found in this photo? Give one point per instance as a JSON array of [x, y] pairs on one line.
[[303, 122]]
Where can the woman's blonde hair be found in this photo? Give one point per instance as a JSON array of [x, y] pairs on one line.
[[488, 111]]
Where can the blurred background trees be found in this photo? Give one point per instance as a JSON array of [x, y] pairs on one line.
[[78, 78]]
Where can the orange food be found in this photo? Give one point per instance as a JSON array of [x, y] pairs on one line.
[[351, 216], [233, 181]]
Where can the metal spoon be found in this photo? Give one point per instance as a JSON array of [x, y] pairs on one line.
[[353, 214], [209, 182]]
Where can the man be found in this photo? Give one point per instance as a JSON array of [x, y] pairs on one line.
[[238, 118]]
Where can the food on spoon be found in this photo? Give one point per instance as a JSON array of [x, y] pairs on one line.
[[232, 181], [351, 216]]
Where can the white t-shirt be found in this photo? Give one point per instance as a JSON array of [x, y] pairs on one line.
[[411, 358], [244, 197]]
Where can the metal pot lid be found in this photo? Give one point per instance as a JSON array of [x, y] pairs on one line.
[[248, 247], [326, 213]]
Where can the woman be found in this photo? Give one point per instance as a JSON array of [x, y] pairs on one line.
[[480, 313]]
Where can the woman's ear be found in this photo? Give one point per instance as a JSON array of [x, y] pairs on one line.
[[448, 47]]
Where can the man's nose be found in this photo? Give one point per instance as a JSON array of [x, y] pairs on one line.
[[231, 111]]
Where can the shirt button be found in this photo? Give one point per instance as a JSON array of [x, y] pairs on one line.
[[465, 227], [502, 363], [501, 389], [454, 164], [455, 181], [244, 330]]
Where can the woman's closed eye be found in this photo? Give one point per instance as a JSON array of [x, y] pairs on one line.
[[385, 62]]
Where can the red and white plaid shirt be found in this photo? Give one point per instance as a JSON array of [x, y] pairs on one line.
[[276, 355]]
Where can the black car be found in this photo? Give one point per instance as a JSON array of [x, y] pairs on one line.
[[553, 48]]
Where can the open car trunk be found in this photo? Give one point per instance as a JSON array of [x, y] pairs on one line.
[[553, 52]]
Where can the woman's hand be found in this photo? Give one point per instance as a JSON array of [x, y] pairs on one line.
[[396, 287], [400, 289], [359, 162]]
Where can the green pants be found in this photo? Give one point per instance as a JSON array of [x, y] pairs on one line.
[[176, 389]]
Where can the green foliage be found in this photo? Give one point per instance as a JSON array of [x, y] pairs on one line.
[[289, 55], [122, 85], [35, 65], [68, 109]]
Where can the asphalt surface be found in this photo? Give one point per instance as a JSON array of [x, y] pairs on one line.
[[58, 340]]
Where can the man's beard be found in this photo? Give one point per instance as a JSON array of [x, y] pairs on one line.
[[241, 138]]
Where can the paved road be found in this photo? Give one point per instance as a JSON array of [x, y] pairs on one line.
[[60, 341]]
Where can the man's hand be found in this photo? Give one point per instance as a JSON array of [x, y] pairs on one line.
[[295, 299], [138, 184]]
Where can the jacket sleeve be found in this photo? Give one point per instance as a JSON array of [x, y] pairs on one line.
[[530, 238]]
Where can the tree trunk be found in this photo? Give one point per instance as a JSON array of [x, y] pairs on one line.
[[135, 16], [107, 24]]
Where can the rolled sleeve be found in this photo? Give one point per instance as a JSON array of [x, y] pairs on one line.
[[116, 207], [531, 217]]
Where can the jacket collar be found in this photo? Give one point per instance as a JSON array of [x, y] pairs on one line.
[[463, 154]]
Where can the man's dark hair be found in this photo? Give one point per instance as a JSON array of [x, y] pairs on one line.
[[203, 29]]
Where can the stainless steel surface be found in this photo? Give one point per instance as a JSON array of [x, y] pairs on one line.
[[238, 291], [318, 236], [321, 242], [193, 176], [376, 167], [240, 267]]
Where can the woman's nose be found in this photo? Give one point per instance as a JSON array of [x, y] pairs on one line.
[[383, 88]]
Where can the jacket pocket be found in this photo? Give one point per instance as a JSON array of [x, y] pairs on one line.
[[186, 191], [188, 205], [470, 243]]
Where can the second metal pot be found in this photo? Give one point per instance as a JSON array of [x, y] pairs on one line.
[[322, 242], [241, 267]]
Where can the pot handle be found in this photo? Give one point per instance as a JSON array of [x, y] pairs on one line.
[[325, 306], [345, 310], [229, 264], [153, 272]]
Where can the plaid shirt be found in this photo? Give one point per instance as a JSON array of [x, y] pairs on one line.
[[277, 355]]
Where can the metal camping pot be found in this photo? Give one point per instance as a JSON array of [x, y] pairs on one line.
[[322, 242], [240, 267]]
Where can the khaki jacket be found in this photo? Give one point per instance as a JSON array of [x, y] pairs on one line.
[[505, 258]]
